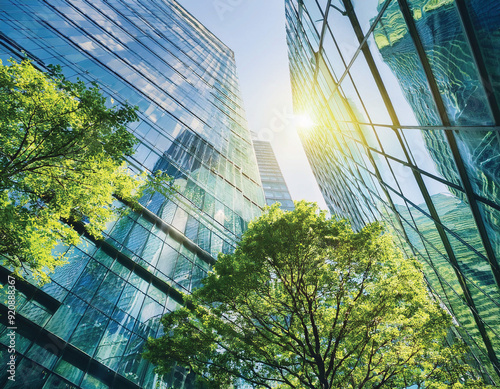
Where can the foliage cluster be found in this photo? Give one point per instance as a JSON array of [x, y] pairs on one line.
[[305, 302], [62, 150]]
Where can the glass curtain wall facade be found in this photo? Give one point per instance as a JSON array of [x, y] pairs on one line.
[[405, 98], [87, 328], [273, 182]]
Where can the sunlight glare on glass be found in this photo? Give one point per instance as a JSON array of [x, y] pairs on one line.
[[303, 121]]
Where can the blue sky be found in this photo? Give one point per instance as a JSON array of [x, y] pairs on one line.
[[255, 31]]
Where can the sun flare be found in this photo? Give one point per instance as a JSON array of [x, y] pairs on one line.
[[303, 121]]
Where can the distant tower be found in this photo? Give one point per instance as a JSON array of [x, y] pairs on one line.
[[275, 189]]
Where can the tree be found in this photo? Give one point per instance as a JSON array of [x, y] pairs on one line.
[[62, 156], [305, 302]]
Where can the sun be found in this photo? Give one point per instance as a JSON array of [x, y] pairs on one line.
[[303, 121]]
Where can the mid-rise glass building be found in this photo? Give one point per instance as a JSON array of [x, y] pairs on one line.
[[87, 328], [273, 182], [405, 95]]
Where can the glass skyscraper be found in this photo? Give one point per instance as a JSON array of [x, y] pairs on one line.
[[404, 95], [87, 328], [273, 182]]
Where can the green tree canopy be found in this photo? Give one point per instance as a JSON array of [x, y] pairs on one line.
[[305, 302], [62, 153]]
